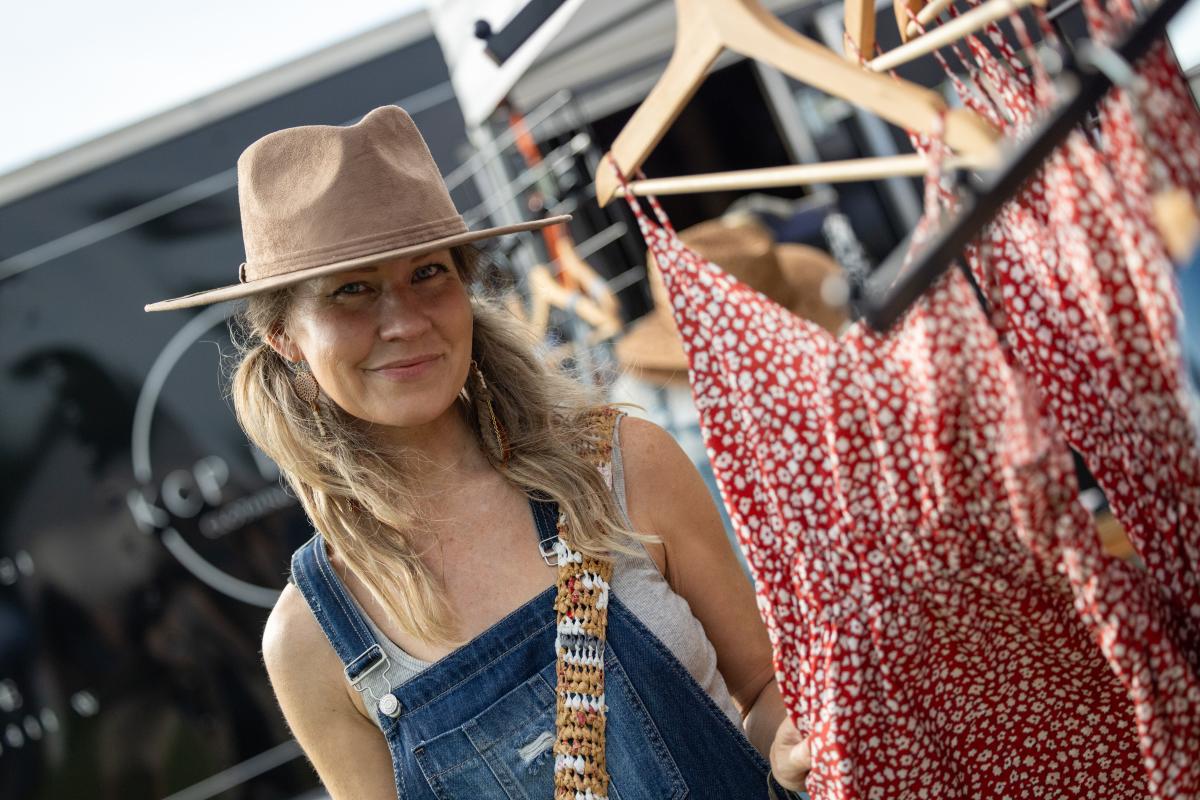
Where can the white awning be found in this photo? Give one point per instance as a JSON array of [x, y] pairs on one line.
[[607, 52]]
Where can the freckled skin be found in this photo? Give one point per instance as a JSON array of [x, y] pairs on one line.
[[348, 324]]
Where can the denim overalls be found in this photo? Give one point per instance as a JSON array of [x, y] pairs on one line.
[[479, 723]]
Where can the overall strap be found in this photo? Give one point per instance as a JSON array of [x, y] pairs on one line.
[[336, 612], [545, 518], [339, 617]]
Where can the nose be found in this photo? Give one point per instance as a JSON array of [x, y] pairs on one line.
[[402, 315]]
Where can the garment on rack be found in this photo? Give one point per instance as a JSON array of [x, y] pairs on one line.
[[1081, 290], [879, 487], [1168, 133], [1150, 139]]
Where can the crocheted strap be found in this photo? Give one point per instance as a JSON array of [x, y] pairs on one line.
[[580, 771]]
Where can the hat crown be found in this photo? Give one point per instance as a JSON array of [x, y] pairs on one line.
[[321, 199], [743, 248], [318, 194]]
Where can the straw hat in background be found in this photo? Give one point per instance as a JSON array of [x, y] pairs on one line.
[[792, 275]]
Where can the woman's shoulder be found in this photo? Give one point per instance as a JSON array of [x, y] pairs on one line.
[[300, 661], [647, 449], [298, 657], [291, 631], [343, 744], [655, 469], [666, 495], [638, 442], [613, 421], [593, 432]]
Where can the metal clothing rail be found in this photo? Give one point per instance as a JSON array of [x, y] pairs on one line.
[[480, 159], [1061, 8], [578, 143], [882, 301]]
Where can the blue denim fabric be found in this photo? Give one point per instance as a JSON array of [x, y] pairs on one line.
[[480, 722]]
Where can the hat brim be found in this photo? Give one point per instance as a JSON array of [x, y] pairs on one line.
[[240, 290]]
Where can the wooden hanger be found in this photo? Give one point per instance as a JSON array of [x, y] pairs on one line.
[[546, 293], [707, 28], [964, 24], [582, 277], [848, 171], [925, 13], [860, 22]]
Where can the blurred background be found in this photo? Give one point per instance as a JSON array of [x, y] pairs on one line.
[[142, 539]]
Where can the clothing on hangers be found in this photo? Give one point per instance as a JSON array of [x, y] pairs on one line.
[[1169, 130], [883, 490], [705, 30], [1080, 290], [884, 301]]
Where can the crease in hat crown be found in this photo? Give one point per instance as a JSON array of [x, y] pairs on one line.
[[319, 194], [316, 199]]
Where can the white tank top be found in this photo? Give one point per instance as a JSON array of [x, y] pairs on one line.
[[644, 591]]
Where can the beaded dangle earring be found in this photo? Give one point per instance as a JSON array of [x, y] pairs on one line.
[[307, 391], [484, 406]]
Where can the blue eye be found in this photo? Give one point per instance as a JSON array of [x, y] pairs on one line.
[[352, 288], [422, 271]]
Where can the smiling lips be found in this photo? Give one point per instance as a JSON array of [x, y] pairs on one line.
[[404, 369]]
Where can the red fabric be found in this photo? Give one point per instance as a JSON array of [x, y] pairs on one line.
[[900, 518], [1166, 137], [1081, 288], [908, 505]]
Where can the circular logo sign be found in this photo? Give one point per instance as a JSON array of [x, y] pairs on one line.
[[197, 501]]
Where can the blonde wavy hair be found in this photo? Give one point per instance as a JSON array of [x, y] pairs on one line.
[[365, 498]]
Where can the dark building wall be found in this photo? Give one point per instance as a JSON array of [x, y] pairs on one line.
[[123, 673]]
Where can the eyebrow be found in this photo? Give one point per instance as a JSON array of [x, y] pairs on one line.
[[372, 268], [415, 262]]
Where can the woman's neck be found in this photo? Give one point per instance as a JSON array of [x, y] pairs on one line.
[[444, 451]]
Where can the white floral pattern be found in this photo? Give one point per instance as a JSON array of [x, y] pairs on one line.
[[944, 621], [886, 492], [1082, 288]]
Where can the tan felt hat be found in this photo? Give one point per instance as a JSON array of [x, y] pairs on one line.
[[790, 274], [319, 199]]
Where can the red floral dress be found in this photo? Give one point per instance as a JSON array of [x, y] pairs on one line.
[[1081, 289], [899, 516]]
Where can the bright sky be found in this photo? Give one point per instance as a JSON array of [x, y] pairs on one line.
[[73, 70]]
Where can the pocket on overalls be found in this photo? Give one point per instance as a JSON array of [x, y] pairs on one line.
[[639, 763], [507, 749], [504, 751]]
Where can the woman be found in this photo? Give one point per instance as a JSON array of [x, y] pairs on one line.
[[434, 453]]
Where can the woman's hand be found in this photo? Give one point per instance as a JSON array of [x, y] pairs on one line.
[[790, 757]]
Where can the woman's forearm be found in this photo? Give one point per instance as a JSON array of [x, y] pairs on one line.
[[764, 718]]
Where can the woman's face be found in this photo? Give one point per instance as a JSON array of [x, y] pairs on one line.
[[389, 343]]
